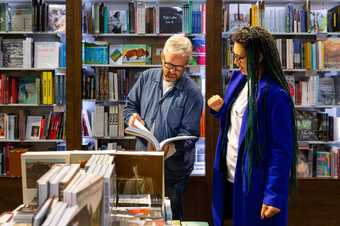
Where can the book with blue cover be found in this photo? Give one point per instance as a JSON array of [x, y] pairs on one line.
[[27, 91]]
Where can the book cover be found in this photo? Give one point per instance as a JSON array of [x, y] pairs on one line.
[[170, 19], [12, 53], [2, 125], [302, 168], [306, 123], [318, 20], [33, 127], [20, 16], [27, 91], [57, 17], [239, 16], [156, 53], [117, 21], [332, 53], [4, 17], [116, 54], [96, 53], [46, 54], [136, 54], [326, 91]]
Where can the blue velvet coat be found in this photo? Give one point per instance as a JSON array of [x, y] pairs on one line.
[[270, 177]]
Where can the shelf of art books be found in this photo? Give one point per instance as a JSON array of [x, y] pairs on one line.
[[308, 43], [140, 35], [32, 69], [28, 105], [301, 35], [31, 33], [318, 178], [302, 142], [32, 78], [316, 106], [135, 55], [284, 70], [147, 1], [30, 141], [120, 40], [136, 65], [273, 2]]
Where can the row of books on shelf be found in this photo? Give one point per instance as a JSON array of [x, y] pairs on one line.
[[103, 84], [144, 17], [108, 121], [316, 90], [35, 16], [105, 121], [320, 162], [23, 126], [33, 89], [25, 53], [130, 54], [287, 17], [299, 54], [317, 126]]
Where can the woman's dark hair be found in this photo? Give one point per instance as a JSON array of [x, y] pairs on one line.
[[262, 57]]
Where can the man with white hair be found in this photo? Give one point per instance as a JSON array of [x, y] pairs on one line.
[[169, 103]]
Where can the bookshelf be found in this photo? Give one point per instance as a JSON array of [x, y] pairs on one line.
[[302, 208], [133, 33], [32, 77], [309, 75]]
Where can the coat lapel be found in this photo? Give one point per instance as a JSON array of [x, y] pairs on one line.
[[233, 85]]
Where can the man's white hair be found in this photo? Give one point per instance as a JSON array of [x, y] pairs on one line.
[[178, 44]]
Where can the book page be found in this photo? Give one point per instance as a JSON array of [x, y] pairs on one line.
[[173, 139], [139, 125], [146, 134]]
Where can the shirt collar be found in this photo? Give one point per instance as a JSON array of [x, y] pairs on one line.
[[179, 84]]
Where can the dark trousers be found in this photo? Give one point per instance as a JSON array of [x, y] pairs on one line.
[[228, 200], [175, 192]]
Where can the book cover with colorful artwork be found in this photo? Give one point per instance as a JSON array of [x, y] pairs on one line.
[[136, 54], [27, 91]]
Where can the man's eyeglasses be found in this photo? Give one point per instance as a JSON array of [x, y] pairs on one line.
[[171, 66], [238, 58]]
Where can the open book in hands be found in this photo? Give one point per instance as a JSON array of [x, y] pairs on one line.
[[140, 130]]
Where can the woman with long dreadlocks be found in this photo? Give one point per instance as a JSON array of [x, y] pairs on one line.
[[256, 150]]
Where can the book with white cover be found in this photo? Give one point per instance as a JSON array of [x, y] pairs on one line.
[[54, 211], [68, 215], [43, 183], [75, 181], [89, 193], [54, 182], [42, 212], [46, 54], [140, 131]]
